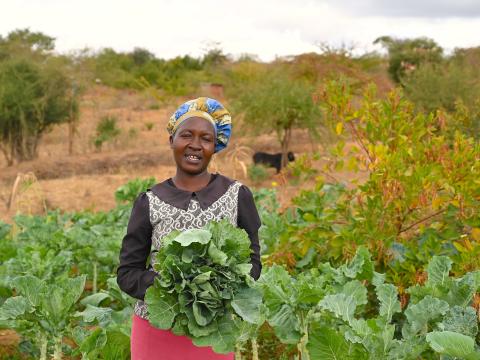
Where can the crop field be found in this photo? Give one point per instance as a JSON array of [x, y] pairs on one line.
[[370, 239]]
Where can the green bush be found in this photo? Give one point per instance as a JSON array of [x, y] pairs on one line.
[[107, 130], [35, 93], [257, 173], [128, 193]]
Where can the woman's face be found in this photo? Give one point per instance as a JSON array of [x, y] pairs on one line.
[[193, 145]]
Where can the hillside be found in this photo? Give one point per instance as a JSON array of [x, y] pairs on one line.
[[88, 178]]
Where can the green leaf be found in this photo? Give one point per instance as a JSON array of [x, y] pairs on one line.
[[388, 296], [162, 308], [191, 236], [286, 324], [310, 287], [201, 278], [199, 331], [217, 256], [247, 303], [223, 340], [203, 314], [422, 315], [30, 287], [243, 269], [327, 344], [95, 341], [14, 307], [461, 291], [180, 326], [461, 320], [438, 270], [378, 279], [357, 291], [451, 343], [409, 349], [341, 305], [92, 313], [117, 346], [94, 299], [187, 255], [72, 289], [361, 267], [307, 259]]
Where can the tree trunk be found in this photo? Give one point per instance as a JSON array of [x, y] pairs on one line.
[[71, 134], [285, 143], [8, 157], [25, 147]]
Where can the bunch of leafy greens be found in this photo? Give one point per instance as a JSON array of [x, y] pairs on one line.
[[204, 289]]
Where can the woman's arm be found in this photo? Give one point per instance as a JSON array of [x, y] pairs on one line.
[[249, 220], [132, 275]]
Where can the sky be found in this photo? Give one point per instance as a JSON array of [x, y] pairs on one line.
[[266, 28]]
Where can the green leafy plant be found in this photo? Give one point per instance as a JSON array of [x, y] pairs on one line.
[[350, 312], [128, 193], [203, 288], [108, 315], [107, 130], [43, 311], [257, 173]]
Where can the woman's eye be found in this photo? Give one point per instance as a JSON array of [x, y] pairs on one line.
[[208, 139], [185, 135]]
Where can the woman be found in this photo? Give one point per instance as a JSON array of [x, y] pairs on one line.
[[193, 197]]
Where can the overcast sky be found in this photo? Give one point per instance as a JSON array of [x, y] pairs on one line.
[[267, 28]]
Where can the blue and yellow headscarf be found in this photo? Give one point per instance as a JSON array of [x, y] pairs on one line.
[[208, 109]]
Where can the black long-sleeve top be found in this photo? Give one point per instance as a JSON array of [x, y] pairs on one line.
[[133, 275]]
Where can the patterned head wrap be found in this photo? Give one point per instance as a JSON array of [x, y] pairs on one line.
[[208, 109]]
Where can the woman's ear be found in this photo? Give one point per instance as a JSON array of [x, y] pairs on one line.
[[170, 139]]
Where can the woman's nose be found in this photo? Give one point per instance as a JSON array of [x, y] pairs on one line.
[[195, 143]]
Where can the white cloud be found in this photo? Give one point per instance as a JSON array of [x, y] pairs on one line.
[[267, 28]]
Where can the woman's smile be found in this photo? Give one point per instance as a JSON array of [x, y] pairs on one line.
[[194, 159]]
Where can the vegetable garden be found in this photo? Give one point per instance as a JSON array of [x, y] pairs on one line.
[[386, 269]]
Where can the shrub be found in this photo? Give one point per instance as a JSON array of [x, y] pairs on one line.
[[257, 173], [107, 130]]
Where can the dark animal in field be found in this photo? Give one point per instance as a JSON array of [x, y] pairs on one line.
[[272, 160]]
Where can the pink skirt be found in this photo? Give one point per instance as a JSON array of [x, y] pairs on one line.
[[150, 343]]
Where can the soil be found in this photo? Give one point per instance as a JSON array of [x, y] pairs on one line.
[[9, 341]]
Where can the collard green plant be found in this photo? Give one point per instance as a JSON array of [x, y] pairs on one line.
[[203, 288], [42, 311], [350, 312], [108, 315]]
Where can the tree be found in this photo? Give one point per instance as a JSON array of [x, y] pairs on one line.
[[141, 56], [24, 42], [274, 102], [407, 55], [33, 96], [451, 86]]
